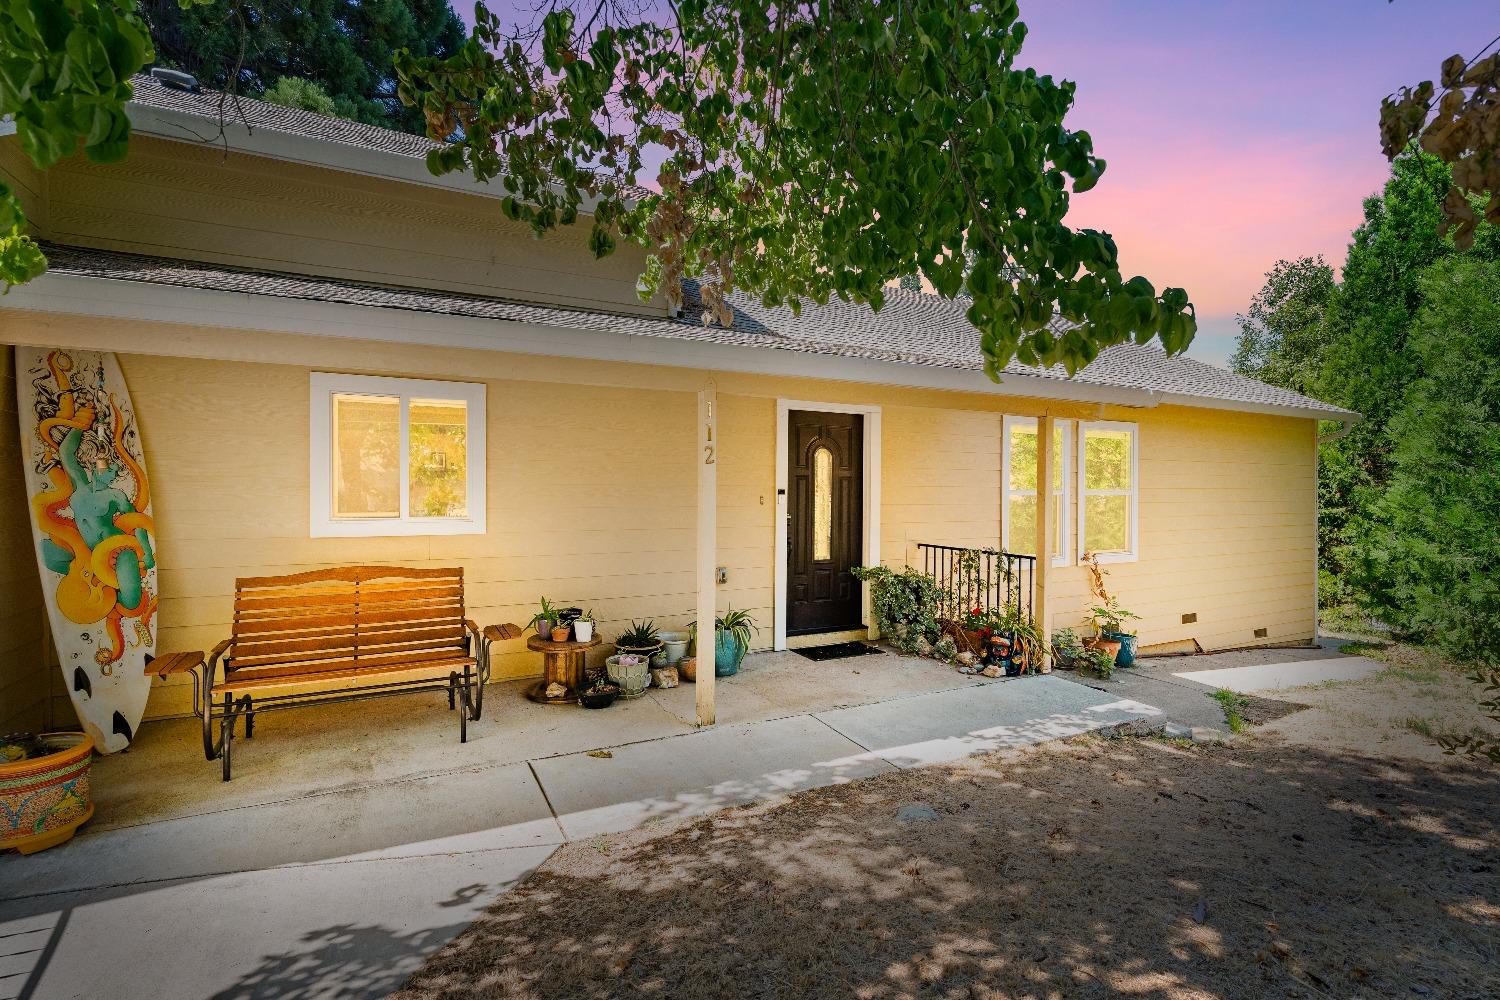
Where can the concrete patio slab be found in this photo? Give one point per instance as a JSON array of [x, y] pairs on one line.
[[685, 776], [949, 725], [1265, 677], [346, 929], [475, 809]]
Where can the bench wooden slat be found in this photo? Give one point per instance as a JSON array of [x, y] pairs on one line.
[[443, 636], [333, 622], [348, 574], [315, 590], [354, 653], [321, 670], [240, 684], [351, 599]]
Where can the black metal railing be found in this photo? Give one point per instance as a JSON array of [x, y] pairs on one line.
[[978, 578]]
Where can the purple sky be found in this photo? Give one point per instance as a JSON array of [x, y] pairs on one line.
[[1237, 133]]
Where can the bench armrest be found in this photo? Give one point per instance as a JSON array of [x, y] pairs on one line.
[[499, 633]]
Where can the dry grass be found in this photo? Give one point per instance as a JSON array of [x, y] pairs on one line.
[[1092, 868], [1398, 713]]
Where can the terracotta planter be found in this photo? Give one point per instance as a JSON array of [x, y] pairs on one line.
[[1110, 646], [560, 633], [687, 669], [44, 799]]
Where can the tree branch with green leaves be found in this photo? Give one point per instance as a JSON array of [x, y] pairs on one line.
[[808, 151], [65, 69]]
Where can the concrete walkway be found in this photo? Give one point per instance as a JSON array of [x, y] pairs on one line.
[[329, 871]]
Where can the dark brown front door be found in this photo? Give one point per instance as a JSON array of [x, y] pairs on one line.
[[825, 520]]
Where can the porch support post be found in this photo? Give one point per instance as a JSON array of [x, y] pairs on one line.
[[705, 456], [1044, 532]]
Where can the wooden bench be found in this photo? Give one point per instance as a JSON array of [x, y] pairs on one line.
[[345, 634]]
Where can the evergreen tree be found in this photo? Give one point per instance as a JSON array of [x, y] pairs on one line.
[[345, 47], [1283, 337]]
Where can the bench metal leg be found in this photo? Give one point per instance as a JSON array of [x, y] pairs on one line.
[[226, 733], [247, 705]]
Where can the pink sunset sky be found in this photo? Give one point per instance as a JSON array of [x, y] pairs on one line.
[[1237, 133]]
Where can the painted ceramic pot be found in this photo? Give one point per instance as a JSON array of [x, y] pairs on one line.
[[44, 799], [1128, 643], [728, 654], [633, 676]]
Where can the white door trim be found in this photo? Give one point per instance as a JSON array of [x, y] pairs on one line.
[[870, 491]]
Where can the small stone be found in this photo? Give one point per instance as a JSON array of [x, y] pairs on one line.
[[1177, 731], [966, 670], [991, 671], [916, 813], [555, 690], [664, 677], [923, 647], [966, 658]]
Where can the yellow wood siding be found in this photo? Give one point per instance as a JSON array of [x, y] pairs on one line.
[[591, 486], [194, 201]]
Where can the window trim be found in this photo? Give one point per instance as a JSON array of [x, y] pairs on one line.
[[323, 386], [1133, 552], [1064, 556]]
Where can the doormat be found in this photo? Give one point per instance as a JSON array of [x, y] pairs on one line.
[[837, 651]]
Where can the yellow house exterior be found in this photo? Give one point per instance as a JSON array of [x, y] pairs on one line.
[[186, 259]]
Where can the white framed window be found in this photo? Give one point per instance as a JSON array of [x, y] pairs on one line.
[[396, 456], [1018, 472], [1109, 490]]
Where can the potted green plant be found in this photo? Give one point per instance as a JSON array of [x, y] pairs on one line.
[[583, 627], [1096, 660], [640, 639], [1108, 617], [1066, 647], [544, 619], [732, 633], [600, 694]]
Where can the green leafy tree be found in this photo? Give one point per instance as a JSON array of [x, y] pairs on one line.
[[811, 151], [1283, 337], [295, 92], [345, 47], [1425, 561]]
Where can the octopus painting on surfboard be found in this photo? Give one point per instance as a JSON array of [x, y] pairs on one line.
[[95, 540]]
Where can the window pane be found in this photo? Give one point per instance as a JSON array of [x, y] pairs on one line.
[[1106, 524], [1022, 539], [1106, 460], [822, 504], [1059, 455], [1022, 458], [439, 458], [1057, 524], [366, 456]]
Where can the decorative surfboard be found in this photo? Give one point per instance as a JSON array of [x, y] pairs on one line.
[[95, 541]]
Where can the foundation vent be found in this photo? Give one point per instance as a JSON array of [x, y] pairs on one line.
[[1189, 618], [1260, 633]]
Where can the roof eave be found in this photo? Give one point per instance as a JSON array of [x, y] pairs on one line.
[[1268, 409], [179, 305]]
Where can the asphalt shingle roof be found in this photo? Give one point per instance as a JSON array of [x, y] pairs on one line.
[[913, 328]]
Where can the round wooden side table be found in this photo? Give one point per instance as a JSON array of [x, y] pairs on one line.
[[562, 663]]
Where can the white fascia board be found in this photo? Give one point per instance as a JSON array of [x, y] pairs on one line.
[[1269, 409], [179, 126], [106, 297]]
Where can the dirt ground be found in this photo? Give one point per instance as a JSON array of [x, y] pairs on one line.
[[1305, 860]]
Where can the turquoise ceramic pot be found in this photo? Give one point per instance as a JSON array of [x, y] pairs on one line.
[[1128, 644], [728, 654]]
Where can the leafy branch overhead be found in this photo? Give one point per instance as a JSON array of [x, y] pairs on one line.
[[65, 69], [807, 151], [1461, 127]]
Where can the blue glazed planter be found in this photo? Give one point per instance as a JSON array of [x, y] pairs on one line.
[[1128, 644], [728, 654]]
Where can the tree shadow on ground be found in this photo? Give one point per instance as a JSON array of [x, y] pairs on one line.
[[1093, 868]]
